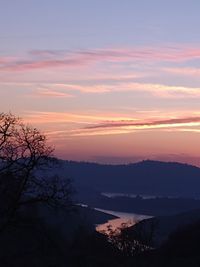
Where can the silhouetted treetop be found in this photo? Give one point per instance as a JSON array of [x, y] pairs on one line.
[[23, 150]]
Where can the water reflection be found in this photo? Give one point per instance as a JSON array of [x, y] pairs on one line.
[[125, 219], [142, 196]]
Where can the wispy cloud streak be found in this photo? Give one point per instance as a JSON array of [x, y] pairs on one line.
[[67, 125], [44, 92], [160, 90], [45, 59], [147, 124], [189, 71]]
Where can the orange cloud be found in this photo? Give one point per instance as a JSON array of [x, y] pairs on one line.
[[67, 125], [65, 117], [44, 92]]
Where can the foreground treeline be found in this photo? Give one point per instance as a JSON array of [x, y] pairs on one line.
[[32, 243], [41, 226]]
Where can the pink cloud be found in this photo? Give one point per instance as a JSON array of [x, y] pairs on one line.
[[189, 71], [40, 64], [45, 59], [5, 60], [127, 123]]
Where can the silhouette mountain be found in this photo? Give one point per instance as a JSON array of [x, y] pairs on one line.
[[146, 177], [161, 227]]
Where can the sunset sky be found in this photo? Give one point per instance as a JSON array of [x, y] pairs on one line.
[[106, 80]]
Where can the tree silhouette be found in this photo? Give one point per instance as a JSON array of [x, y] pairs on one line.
[[24, 151]]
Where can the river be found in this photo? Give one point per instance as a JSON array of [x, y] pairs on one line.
[[124, 219]]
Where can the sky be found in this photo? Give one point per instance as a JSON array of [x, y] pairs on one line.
[[106, 80]]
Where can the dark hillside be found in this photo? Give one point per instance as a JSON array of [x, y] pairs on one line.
[[146, 177]]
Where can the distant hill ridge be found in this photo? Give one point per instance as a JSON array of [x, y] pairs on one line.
[[145, 177]]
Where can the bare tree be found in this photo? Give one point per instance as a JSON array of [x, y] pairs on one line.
[[23, 151]]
